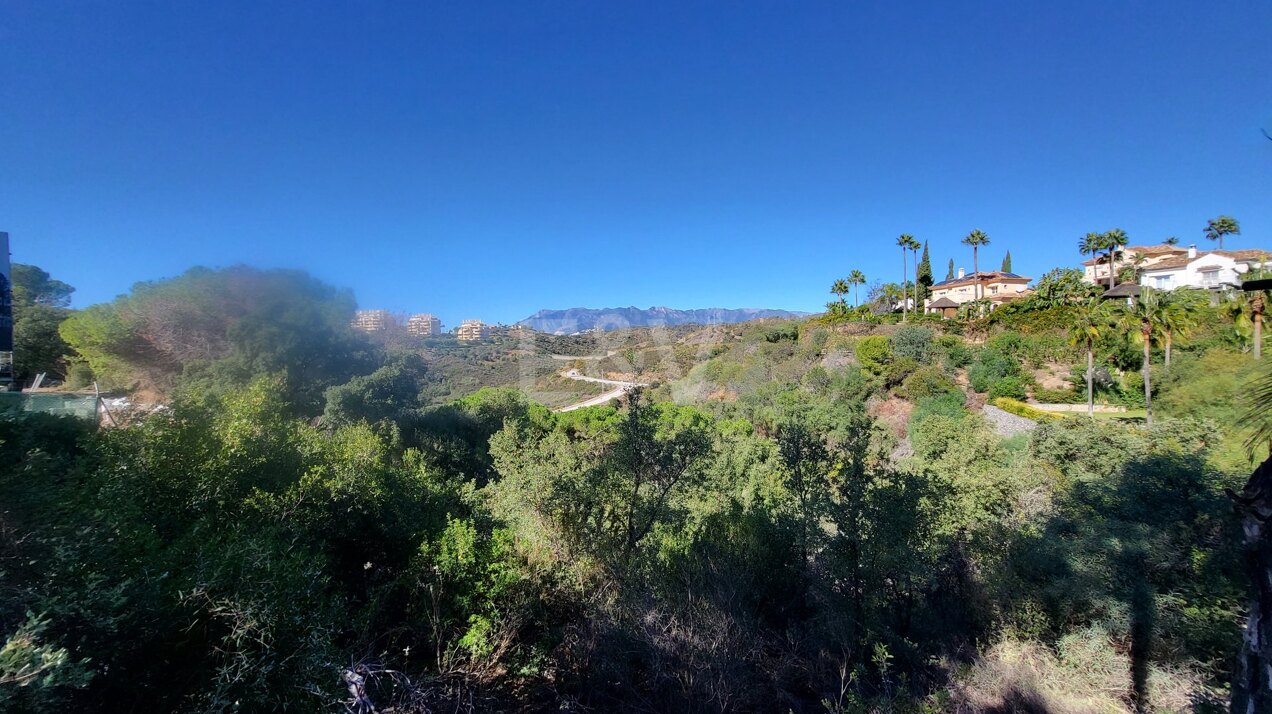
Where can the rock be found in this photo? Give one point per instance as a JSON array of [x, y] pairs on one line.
[[1006, 424]]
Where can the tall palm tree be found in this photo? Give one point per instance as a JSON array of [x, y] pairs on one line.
[[1091, 244], [1089, 324], [904, 241], [1217, 228], [1247, 310], [1143, 320], [856, 278], [840, 289], [915, 246], [1114, 241], [1180, 309], [976, 239]]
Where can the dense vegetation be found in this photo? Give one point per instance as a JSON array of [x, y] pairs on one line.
[[803, 516]]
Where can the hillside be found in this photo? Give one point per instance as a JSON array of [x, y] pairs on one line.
[[579, 319]]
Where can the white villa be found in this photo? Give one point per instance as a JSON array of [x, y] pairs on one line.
[[1211, 269]]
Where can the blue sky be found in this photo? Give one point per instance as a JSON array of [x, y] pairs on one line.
[[489, 159]]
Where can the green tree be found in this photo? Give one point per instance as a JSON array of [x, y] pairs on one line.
[[949, 272], [840, 288], [1217, 228], [1144, 320], [905, 241], [855, 278], [1089, 324], [1113, 241], [34, 286], [1246, 309], [1006, 267], [1062, 286], [924, 278], [914, 248], [1091, 244], [1181, 309], [976, 239]]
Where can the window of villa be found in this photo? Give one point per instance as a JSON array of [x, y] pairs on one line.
[[1210, 278], [1161, 282]]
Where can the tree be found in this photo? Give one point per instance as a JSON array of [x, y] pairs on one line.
[[976, 239], [1062, 286], [1113, 241], [904, 241], [949, 273], [914, 248], [33, 286], [1089, 324], [1180, 310], [1217, 228], [1143, 320], [856, 278], [924, 278], [1091, 244], [1247, 310], [1171, 241], [1006, 263], [840, 288]]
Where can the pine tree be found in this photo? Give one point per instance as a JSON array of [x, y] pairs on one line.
[[924, 277], [950, 274], [1007, 262]]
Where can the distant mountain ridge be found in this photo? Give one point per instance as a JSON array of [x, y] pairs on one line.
[[578, 319]]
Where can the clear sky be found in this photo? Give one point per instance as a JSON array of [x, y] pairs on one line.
[[480, 159]]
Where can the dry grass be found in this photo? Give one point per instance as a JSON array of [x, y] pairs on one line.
[[1084, 674]]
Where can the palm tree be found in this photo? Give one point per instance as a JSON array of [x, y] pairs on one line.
[[840, 289], [1143, 320], [1090, 322], [856, 278], [915, 246], [1247, 310], [1113, 241], [1091, 244], [904, 241], [976, 239], [1217, 228], [1179, 315]]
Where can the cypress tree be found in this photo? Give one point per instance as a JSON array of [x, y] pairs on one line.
[[924, 276], [950, 274], [1007, 262]]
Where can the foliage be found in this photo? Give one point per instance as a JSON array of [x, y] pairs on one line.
[[1009, 388], [913, 342], [33, 286], [1019, 408], [874, 353], [223, 327]]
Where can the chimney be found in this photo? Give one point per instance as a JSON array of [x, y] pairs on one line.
[[1192, 251], [960, 272]]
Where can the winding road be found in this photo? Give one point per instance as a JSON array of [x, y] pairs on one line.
[[620, 388]]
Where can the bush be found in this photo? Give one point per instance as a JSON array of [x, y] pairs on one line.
[[874, 353], [991, 365], [951, 405], [898, 370], [778, 333], [928, 382], [1009, 387], [913, 342], [1059, 396], [1021, 409]]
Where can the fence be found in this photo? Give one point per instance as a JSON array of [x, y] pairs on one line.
[[83, 406]]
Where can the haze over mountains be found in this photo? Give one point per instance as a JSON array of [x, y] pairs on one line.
[[578, 319]]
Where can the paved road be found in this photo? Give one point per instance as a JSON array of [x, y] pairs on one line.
[[620, 388]]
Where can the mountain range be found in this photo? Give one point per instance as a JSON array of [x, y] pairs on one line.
[[579, 319]]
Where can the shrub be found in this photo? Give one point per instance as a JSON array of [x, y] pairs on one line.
[[1021, 409], [1010, 387], [912, 342], [874, 353], [1059, 396], [898, 369], [950, 404], [778, 333], [928, 382], [991, 366]]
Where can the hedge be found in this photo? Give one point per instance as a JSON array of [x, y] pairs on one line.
[[1020, 409]]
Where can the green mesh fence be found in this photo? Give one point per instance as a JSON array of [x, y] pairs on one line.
[[83, 406]]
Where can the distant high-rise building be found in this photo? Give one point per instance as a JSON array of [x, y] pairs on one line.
[[472, 330], [6, 313], [423, 325], [373, 320]]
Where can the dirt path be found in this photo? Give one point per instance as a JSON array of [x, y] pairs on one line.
[[620, 388]]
